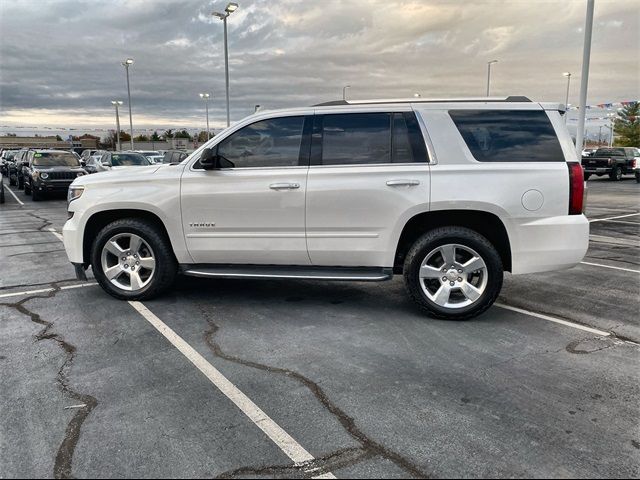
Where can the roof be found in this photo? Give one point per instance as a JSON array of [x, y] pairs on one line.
[[513, 98]]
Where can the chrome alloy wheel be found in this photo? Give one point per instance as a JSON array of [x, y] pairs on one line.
[[453, 276], [128, 261]]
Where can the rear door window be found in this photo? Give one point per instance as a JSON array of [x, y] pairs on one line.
[[508, 135]]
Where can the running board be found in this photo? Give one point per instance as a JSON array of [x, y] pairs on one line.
[[363, 274]]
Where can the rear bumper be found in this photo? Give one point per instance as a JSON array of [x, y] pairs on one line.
[[548, 244], [597, 169]]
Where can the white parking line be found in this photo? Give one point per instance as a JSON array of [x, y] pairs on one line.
[[58, 235], [611, 266], [282, 439], [554, 320], [14, 195], [613, 218], [46, 290]]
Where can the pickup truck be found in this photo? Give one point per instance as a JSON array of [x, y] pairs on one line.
[[614, 162]]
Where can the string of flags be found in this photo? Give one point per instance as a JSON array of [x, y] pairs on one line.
[[606, 106]]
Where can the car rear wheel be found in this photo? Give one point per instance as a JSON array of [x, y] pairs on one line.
[[453, 273], [616, 174], [132, 259], [637, 177], [586, 176], [27, 189]]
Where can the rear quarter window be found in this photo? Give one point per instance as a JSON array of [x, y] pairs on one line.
[[508, 135]]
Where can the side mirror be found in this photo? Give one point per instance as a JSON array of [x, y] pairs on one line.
[[209, 159]]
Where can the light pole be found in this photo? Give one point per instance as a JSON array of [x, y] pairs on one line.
[[344, 92], [611, 118], [584, 77], [566, 102], [489, 74], [117, 103], [600, 136], [205, 97], [231, 7], [126, 64]]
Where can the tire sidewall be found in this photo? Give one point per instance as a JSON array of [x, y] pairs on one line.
[[462, 236]]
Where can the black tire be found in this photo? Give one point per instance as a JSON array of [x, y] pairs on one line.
[[20, 183], [453, 235], [616, 174], [586, 176], [637, 177], [27, 189], [2, 195], [37, 196], [166, 264], [12, 182]]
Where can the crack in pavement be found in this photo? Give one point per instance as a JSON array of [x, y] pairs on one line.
[[64, 456], [370, 446], [333, 461]]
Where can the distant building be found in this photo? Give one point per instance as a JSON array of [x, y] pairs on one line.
[[85, 141]]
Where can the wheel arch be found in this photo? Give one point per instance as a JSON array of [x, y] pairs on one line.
[[100, 219], [485, 223]]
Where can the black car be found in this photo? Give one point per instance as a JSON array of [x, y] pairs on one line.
[[5, 159], [50, 171], [17, 168]]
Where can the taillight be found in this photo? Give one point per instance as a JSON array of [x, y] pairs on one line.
[[576, 188]]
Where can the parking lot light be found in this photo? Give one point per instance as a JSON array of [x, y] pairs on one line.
[[117, 103], [489, 74], [344, 92], [231, 7], [566, 102], [126, 64], [205, 97]]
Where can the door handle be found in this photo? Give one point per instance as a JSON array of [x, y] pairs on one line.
[[284, 186], [403, 183]]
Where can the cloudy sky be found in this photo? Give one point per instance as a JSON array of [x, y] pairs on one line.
[[60, 59]]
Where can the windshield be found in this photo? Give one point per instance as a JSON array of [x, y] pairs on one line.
[[128, 159], [10, 155], [51, 159], [605, 152]]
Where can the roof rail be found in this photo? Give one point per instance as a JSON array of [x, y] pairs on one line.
[[512, 98]]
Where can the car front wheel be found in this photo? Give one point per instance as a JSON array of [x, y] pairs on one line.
[[132, 259], [453, 273]]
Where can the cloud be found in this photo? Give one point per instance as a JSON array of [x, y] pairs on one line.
[[63, 56]]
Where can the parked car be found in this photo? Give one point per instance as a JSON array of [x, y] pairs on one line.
[[91, 164], [448, 194], [149, 154], [20, 161], [174, 156], [120, 160], [615, 162], [636, 164], [88, 153], [1, 188], [5, 159], [49, 171]]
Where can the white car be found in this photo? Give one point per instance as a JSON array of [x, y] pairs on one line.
[[448, 193]]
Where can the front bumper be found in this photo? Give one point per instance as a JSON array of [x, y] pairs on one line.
[[72, 238], [51, 186]]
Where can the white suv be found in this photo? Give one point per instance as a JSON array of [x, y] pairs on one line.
[[449, 193]]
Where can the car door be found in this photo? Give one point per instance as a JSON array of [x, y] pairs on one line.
[[368, 175], [252, 210]]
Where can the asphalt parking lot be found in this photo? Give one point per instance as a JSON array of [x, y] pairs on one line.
[[239, 378]]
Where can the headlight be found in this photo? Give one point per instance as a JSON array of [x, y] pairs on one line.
[[74, 193], [44, 175]]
